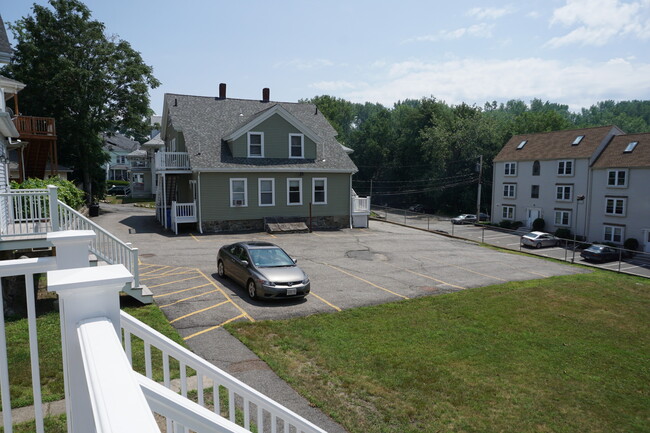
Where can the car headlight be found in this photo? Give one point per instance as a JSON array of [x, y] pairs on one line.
[[266, 282], [305, 281]]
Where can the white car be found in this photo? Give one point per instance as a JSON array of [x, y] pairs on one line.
[[539, 240]]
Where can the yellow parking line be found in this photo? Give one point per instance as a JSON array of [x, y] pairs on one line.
[[188, 298], [331, 305], [167, 275], [194, 237], [173, 282], [244, 313], [366, 281], [431, 278], [468, 270], [160, 267], [214, 327], [198, 311], [178, 291], [173, 270]]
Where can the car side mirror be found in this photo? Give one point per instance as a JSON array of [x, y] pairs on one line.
[[245, 263], [294, 260]]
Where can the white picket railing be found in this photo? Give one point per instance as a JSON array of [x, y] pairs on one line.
[[183, 213], [360, 204], [27, 212], [172, 160]]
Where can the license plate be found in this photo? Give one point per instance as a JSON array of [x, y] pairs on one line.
[[291, 292]]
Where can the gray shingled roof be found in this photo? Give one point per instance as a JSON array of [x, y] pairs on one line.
[[121, 142], [204, 121], [5, 46]]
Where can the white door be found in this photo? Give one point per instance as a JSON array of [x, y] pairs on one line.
[[646, 240], [533, 214]]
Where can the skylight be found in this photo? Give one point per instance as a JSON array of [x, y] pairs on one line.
[[577, 140], [630, 147], [522, 144]]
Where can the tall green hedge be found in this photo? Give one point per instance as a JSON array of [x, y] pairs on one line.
[[68, 193]]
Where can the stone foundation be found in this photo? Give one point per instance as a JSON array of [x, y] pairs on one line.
[[320, 223]]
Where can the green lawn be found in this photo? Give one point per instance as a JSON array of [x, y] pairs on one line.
[[562, 354]]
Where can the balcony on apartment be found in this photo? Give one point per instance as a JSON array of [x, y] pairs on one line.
[[39, 134], [172, 161]]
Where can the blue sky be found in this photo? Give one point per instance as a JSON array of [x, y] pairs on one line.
[[575, 52]]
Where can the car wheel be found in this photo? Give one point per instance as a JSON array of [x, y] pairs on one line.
[[220, 270], [250, 288], [538, 245]]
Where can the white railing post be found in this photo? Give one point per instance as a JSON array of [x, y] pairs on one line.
[[54, 207]]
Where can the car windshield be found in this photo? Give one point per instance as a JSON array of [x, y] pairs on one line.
[[270, 257]]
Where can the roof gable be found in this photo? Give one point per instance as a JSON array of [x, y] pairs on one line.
[[616, 156]]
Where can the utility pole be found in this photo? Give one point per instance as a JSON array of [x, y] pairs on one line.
[[478, 198]]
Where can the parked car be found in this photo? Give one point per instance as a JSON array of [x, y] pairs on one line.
[[466, 218], [600, 253], [264, 269], [539, 240], [483, 217], [118, 190], [417, 208]]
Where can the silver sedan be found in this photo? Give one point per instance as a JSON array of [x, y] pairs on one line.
[[539, 240]]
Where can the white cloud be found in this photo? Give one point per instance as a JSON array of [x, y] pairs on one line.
[[481, 30], [334, 86], [304, 64], [489, 13], [595, 22], [476, 81]]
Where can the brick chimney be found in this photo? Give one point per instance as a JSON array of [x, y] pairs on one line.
[[266, 94], [222, 91]]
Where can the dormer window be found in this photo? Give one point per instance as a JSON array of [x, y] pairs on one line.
[[630, 147], [577, 140], [522, 144], [296, 146], [255, 144]]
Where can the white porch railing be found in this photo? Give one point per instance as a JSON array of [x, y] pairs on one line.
[[183, 213], [360, 204], [102, 391], [172, 160], [26, 212]]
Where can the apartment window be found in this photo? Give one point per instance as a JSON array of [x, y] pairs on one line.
[[509, 190], [630, 147], [510, 169], [536, 168], [563, 218], [577, 140], [563, 192], [266, 192], [294, 191], [120, 159], [255, 144], [522, 144], [508, 212], [615, 206], [613, 234], [238, 192], [319, 191], [565, 167], [617, 178], [534, 191], [296, 146]]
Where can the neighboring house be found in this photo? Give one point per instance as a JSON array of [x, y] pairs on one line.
[[620, 201], [548, 175], [118, 147], [229, 164]]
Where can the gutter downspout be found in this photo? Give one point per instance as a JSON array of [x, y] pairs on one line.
[[350, 202], [198, 203]]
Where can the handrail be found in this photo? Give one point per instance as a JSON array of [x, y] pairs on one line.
[[105, 246], [28, 212], [172, 160], [203, 368], [360, 204], [31, 125]]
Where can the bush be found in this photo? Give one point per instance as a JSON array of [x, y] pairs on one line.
[[516, 224], [631, 244], [505, 224], [563, 233], [67, 192], [538, 224], [110, 183]]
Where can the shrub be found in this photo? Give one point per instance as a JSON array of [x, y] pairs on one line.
[[631, 244], [538, 224], [67, 192], [563, 233], [505, 224], [516, 224], [110, 183]]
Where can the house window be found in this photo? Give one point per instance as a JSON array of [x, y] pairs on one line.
[[296, 146], [565, 167], [238, 192], [510, 169], [615, 206], [534, 191], [255, 144], [563, 218], [294, 191], [319, 191], [617, 178], [508, 212], [120, 159], [613, 234], [509, 190], [563, 192], [577, 140], [266, 192], [536, 168]]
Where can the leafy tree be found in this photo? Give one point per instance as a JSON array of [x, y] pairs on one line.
[[89, 82]]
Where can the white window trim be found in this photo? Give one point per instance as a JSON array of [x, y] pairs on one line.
[[504, 212], [289, 191], [570, 199], [259, 191], [232, 200], [302, 146], [573, 167], [568, 212], [616, 178], [510, 169], [613, 213], [248, 144], [313, 190], [514, 190], [614, 228]]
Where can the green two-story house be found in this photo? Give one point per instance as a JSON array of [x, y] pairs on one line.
[[233, 164]]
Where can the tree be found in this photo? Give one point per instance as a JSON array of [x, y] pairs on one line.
[[89, 82]]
